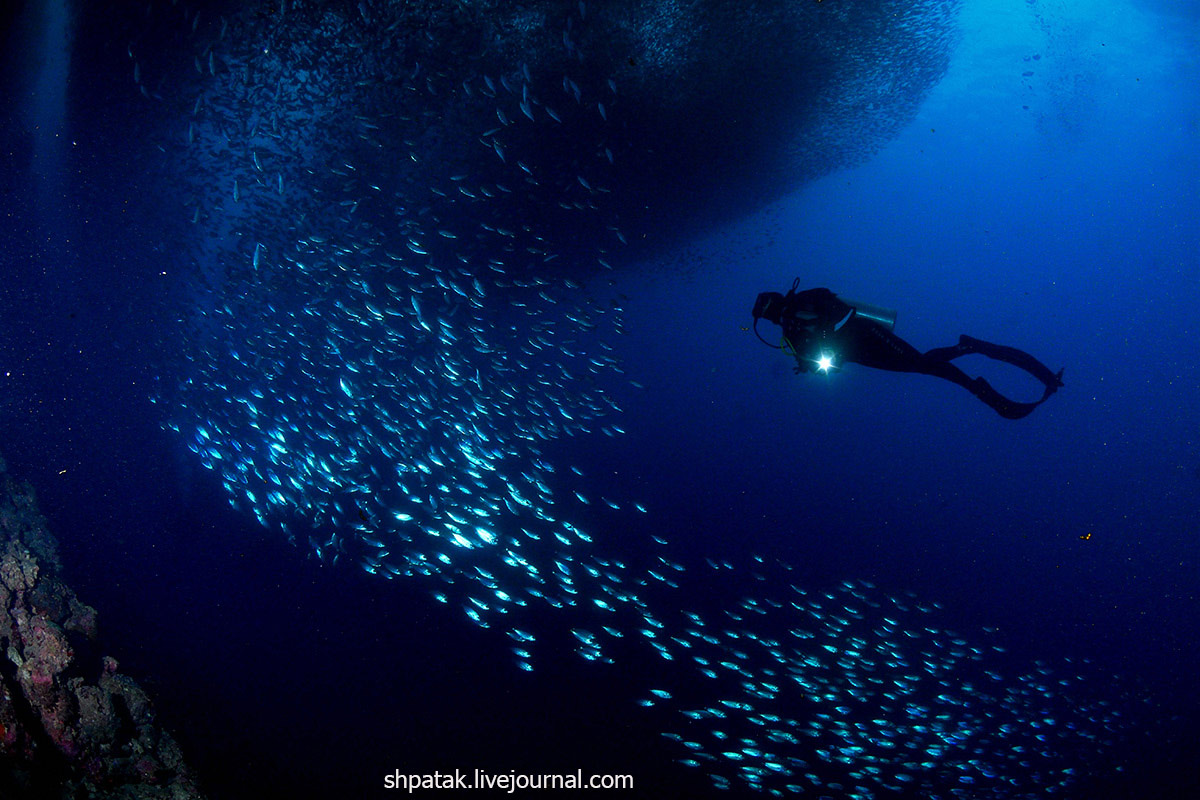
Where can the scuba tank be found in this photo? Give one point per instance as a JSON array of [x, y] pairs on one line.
[[877, 314]]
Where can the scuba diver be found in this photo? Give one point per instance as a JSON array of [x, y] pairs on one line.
[[819, 329]]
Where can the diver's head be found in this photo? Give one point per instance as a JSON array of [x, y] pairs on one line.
[[768, 306]]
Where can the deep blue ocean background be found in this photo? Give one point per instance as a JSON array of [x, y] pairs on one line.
[[1058, 212]]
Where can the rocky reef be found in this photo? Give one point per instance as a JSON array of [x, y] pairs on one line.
[[71, 724]]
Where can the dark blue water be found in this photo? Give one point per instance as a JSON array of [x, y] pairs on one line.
[[1056, 212]]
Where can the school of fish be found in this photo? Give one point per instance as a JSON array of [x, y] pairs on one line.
[[403, 234]]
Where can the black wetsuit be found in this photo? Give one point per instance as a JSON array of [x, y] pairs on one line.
[[816, 321]]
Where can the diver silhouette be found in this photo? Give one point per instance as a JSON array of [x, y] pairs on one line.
[[822, 331]]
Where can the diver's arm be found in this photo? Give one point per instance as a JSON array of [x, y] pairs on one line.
[[811, 317], [802, 364]]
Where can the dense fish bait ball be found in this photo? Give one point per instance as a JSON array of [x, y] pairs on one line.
[[402, 236], [856, 693]]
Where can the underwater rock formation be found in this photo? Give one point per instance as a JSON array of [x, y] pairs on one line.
[[71, 725]]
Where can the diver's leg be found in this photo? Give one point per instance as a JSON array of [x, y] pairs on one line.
[[874, 346], [1018, 358], [1009, 355], [979, 387], [1009, 409], [948, 353], [937, 362]]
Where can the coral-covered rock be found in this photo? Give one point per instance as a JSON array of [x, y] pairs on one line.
[[18, 569], [81, 619], [137, 703], [98, 723], [46, 599], [71, 725], [45, 650], [10, 727]]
